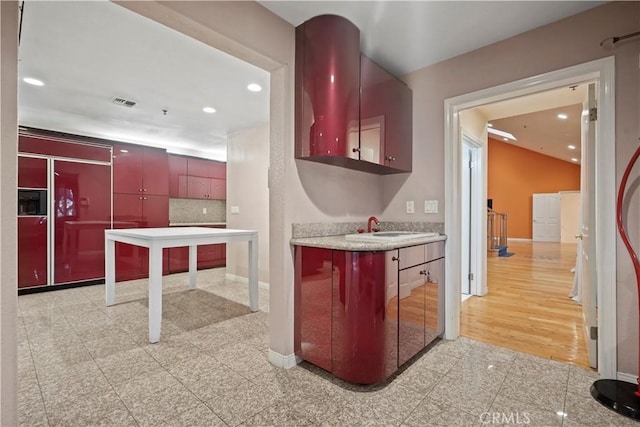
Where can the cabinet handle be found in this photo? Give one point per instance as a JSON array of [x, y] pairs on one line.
[[144, 189], [390, 158], [140, 198], [395, 259], [355, 150], [144, 198], [140, 189]]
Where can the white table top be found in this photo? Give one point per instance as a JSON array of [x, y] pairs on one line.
[[173, 232]]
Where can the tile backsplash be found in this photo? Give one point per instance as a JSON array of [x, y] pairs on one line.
[[191, 211]]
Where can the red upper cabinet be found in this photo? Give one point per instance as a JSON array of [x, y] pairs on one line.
[[386, 122], [206, 179], [348, 113], [177, 176], [327, 88], [138, 169], [32, 172]]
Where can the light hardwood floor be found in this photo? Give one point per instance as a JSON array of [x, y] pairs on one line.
[[527, 307]]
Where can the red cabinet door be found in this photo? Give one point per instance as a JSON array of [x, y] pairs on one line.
[[177, 176], [217, 189], [155, 172], [82, 211], [327, 87], [127, 213], [32, 172], [217, 170], [32, 251], [197, 167], [127, 169], [197, 187], [411, 312]]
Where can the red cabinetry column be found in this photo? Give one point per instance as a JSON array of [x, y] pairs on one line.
[[32, 251]]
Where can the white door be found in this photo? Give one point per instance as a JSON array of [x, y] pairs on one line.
[[466, 218], [546, 217], [587, 278]]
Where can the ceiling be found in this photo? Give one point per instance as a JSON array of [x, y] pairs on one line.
[[88, 53], [534, 121]]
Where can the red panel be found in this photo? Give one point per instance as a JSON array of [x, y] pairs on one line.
[[32, 251], [51, 147], [177, 176], [327, 85], [198, 167], [362, 332], [155, 172], [313, 305], [178, 260], [32, 172], [82, 210], [127, 169]]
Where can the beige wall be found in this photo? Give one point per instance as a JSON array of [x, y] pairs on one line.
[[247, 189], [8, 195], [568, 42]]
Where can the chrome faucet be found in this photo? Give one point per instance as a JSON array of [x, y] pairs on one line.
[[372, 219]]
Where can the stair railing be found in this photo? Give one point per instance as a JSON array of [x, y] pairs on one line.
[[496, 229]]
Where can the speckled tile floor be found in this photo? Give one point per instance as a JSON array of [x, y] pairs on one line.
[[84, 364]]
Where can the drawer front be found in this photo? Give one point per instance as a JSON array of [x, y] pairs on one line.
[[411, 256], [434, 250]]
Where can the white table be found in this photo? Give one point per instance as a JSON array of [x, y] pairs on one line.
[[157, 239]]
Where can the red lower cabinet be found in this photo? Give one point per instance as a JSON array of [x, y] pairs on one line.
[[136, 211], [346, 319], [314, 274], [209, 256], [361, 315], [32, 251]]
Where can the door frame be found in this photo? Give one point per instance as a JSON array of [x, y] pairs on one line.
[[602, 70], [478, 227]]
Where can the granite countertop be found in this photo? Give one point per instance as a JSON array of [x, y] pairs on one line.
[[340, 243], [196, 224]]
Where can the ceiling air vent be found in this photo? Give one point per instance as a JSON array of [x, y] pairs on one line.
[[123, 102]]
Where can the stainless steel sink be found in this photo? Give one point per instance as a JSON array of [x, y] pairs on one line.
[[389, 236]]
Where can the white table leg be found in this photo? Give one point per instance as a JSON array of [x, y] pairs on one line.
[[253, 273], [193, 266], [110, 272], [155, 293]]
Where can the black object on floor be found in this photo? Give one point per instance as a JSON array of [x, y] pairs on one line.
[[619, 396]]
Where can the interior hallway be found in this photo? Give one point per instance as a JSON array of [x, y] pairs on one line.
[[527, 308]]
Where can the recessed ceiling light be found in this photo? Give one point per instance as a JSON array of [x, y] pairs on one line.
[[501, 133], [254, 87], [562, 116], [573, 159], [571, 147], [32, 81], [209, 110]]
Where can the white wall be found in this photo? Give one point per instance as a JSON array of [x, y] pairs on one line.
[[569, 216], [247, 189]]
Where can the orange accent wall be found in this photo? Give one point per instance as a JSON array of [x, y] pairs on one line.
[[515, 174]]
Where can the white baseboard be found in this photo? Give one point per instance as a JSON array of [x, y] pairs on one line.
[[282, 361], [517, 239], [630, 378], [245, 281]]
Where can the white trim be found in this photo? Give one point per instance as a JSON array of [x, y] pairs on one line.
[[630, 378], [245, 281], [282, 361], [604, 71]]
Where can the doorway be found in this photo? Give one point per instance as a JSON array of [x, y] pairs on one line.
[[604, 194]]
